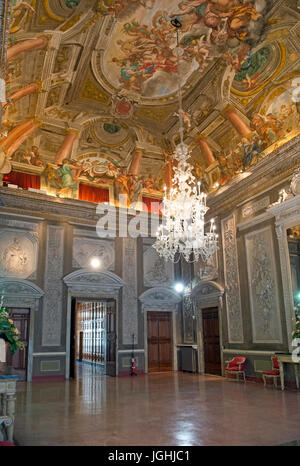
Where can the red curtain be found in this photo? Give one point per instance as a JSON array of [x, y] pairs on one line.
[[152, 205], [23, 180], [93, 194]]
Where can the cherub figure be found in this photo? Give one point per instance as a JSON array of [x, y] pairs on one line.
[[186, 118], [250, 83], [283, 196], [236, 59], [162, 29], [19, 16]]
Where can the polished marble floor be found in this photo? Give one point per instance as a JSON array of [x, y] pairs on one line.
[[159, 410]]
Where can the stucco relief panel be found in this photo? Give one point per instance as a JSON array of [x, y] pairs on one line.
[[232, 282], [52, 308], [205, 271], [253, 207], [264, 302], [156, 270], [18, 253], [84, 249]]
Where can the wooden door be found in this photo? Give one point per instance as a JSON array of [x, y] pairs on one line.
[[211, 340], [73, 338], [111, 338], [19, 360], [159, 326]]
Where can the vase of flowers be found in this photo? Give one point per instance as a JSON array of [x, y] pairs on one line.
[[8, 334]]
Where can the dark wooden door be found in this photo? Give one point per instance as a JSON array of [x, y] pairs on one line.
[[211, 339], [19, 360], [73, 338], [159, 341], [111, 338]]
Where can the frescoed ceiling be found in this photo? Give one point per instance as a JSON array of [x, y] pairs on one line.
[[100, 87]]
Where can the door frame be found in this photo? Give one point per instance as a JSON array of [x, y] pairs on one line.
[[99, 298], [79, 299], [161, 299], [208, 295], [93, 286]]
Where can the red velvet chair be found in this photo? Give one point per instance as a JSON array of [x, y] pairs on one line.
[[275, 372], [236, 366]]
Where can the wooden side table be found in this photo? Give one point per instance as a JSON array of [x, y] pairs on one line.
[[7, 400], [288, 359]]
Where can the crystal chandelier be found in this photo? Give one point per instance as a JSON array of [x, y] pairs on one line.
[[184, 206]]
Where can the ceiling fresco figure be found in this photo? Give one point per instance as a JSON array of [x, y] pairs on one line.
[[19, 13], [31, 157], [249, 70], [66, 171]]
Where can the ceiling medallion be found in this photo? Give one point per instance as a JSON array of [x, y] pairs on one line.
[[184, 206], [122, 107]]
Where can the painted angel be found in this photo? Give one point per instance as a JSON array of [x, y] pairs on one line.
[[250, 82]]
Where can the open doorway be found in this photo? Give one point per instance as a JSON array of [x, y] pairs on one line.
[[93, 337]]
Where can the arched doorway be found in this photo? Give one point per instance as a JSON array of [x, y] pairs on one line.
[[207, 297], [22, 298], [160, 306], [102, 290]]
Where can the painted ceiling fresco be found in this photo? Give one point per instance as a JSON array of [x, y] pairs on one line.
[[142, 56], [96, 95]]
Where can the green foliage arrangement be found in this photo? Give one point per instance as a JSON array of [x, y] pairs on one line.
[[9, 332]]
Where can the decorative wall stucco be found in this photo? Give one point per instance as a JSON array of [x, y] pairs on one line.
[[232, 281], [53, 299], [85, 249], [263, 287], [129, 297], [18, 253], [156, 270]]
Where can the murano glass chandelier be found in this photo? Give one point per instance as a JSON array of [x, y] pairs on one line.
[[184, 205]]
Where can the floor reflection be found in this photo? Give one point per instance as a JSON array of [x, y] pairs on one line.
[[86, 369], [91, 385], [158, 409]]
